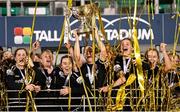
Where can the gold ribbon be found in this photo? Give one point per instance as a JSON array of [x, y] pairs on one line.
[[93, 56], [30, 98], [121, 95], [69, 97], [62, 33], [149, 15], [102, 26], [60, 42], [85, 89], [137, 53], [69, 3], [138, 62], [32, 29], [29, 77], [30, 73], [176, 33]]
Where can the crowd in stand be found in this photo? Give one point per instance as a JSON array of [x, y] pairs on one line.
[[79, 75]]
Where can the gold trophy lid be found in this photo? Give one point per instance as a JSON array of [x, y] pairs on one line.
[[84, 11], [84, 14]]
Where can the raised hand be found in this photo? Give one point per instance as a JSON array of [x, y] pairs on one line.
[[36, 45], [163, 47]]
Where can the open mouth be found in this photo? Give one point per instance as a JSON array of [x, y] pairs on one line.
[[48, 61], [89, 56], [67, 69], [22, 60], [125, 49]]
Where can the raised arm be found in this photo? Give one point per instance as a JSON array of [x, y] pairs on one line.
[[70, 49], [77, 55], [101, 45], [167, 61]]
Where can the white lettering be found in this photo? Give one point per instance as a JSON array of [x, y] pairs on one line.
[[43, 36], [130, 33], [143, 34], [139, 34], [146, 34], [108, 33], [114, 34], [46, 36], [37, 33], [152, 34], [123, 33], [50, 36]]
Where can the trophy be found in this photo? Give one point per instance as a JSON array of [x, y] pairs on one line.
[[84, 14], [67, 29]]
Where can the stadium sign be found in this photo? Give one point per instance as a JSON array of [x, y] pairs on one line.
[[117, 34], [48, 29]]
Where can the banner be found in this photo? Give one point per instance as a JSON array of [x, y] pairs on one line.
[[48, 29], [169, 27], [2, 31]]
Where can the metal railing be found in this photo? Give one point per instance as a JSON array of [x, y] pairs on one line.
[[101, 102]]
